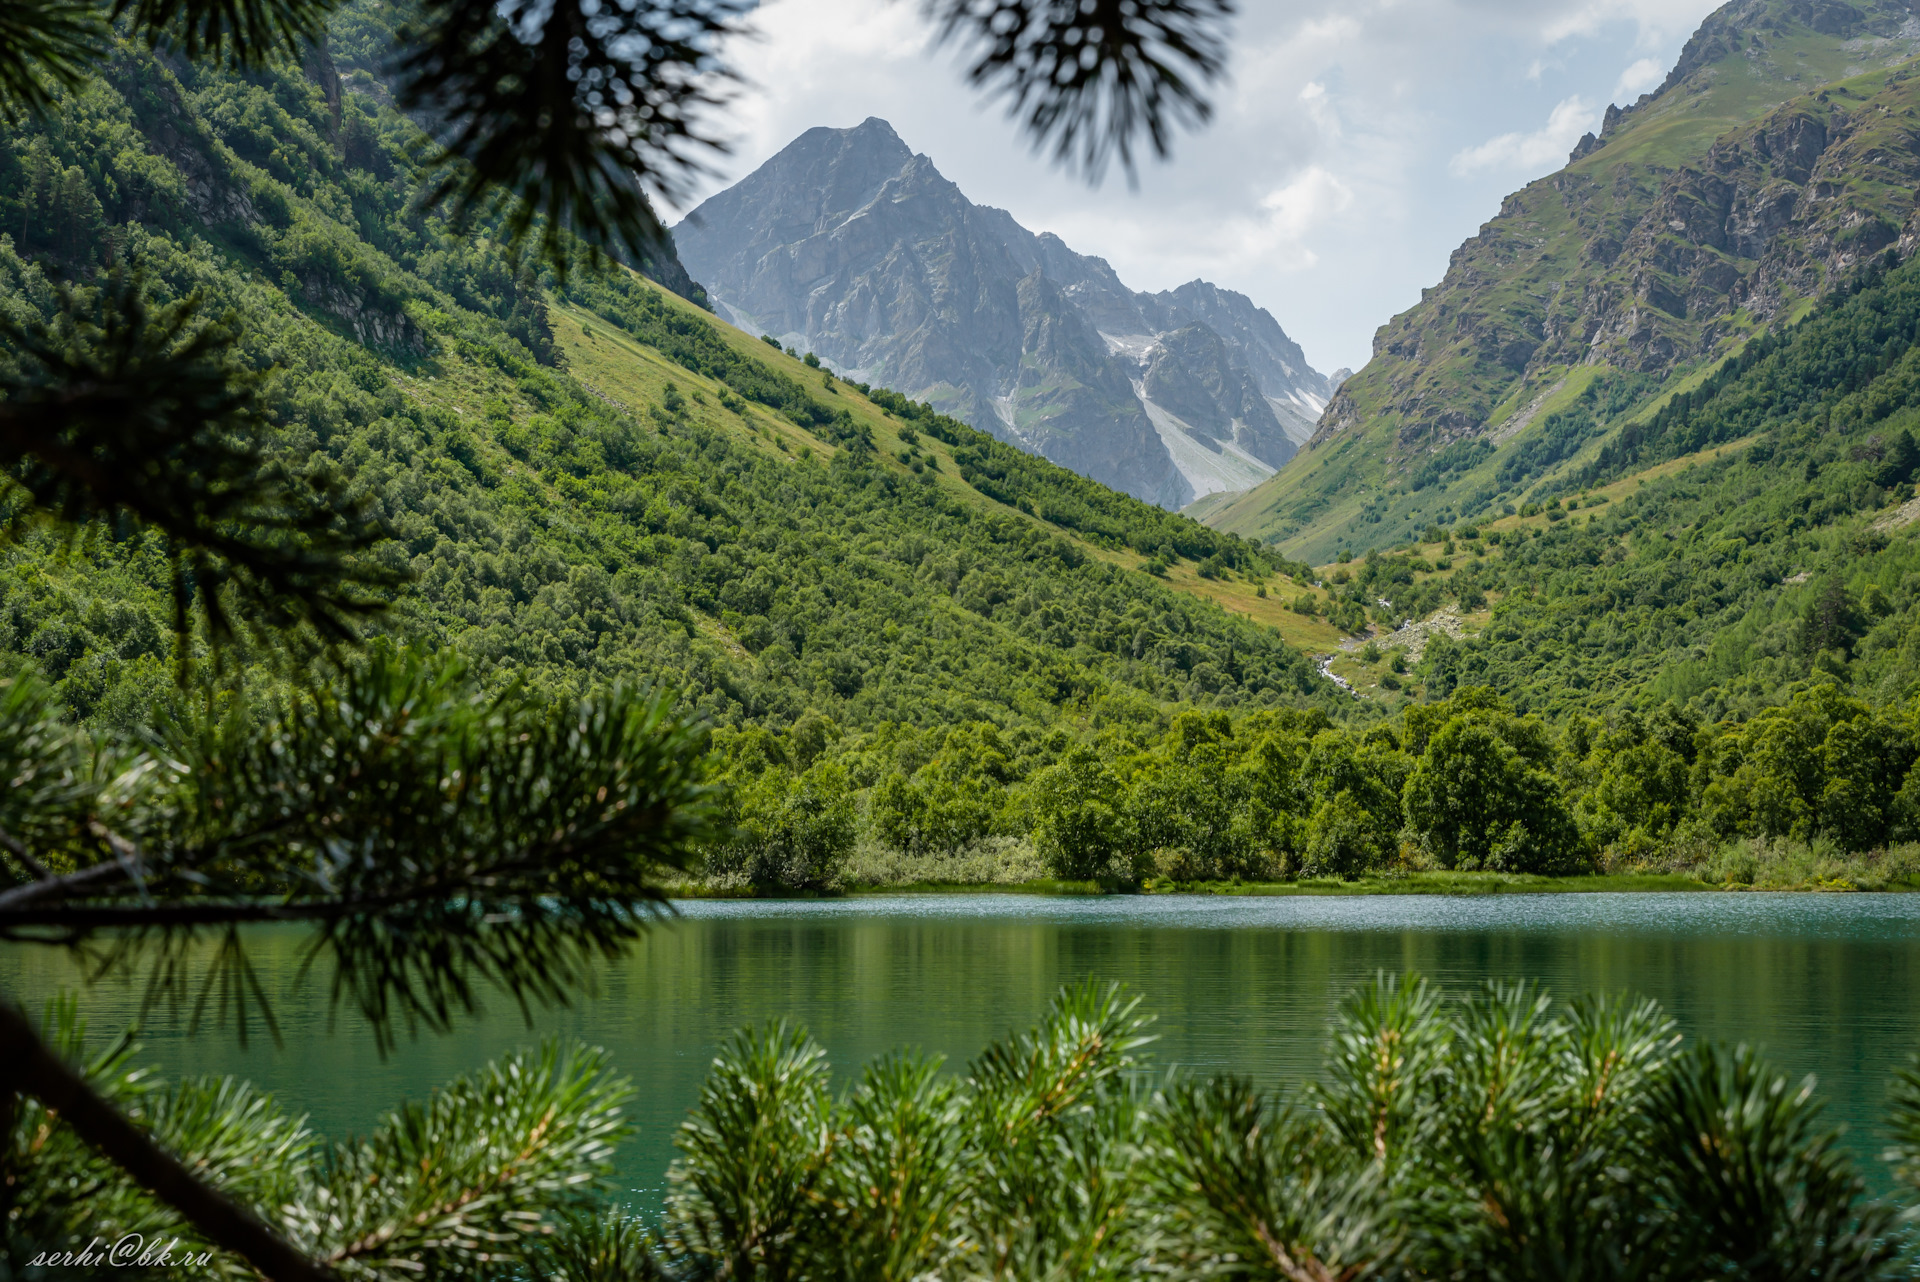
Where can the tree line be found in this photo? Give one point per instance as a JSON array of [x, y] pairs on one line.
[[1462, 783]]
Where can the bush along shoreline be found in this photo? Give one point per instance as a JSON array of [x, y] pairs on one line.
[[1461, 795]]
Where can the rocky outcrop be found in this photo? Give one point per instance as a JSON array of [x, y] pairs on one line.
[[660, 262], [1074, 405], [207, 185], [851, 246], [1278, 366], [1190, 373], [370, 323]]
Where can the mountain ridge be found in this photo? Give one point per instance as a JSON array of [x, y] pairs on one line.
[[1774, 160]]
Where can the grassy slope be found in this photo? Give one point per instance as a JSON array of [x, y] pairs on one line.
[[630, 375], [1331, 495]]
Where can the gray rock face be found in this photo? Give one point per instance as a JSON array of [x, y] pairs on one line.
[[1296, 392], [1073, 403], [851, 246]]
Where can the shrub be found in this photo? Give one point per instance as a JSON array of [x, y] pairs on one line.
[[791, 832], [1342, 840]]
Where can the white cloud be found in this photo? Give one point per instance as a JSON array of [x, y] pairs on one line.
[[1638, 78], [1547, 145], [1320, 110], [1304, 204], [1278, 235], [1655, 22]]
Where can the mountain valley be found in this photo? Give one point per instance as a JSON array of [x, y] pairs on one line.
[[851, 608], [864, 534]]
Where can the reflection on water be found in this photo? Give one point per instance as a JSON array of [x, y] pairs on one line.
[[1827, 983]]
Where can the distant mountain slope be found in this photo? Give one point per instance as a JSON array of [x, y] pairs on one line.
[[1757, 536], [1779, 155], [850, 245]]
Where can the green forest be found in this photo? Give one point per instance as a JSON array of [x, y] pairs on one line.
[[975, 669], [554, 539]]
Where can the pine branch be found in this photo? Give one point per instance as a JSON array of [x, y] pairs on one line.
[[18, 849], [457, 1184], [608, 1247], [32, 1069], [46, 45], [1093, 78], [743, 1191], [573, 110], [246, 33], [119, 410], [13, 913], [437, 839]]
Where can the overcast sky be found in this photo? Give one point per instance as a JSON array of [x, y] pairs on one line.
[[1357, 143]]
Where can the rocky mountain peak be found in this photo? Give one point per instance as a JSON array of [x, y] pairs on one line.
[[850, 245]]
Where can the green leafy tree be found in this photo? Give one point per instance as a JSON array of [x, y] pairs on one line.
[[1480, 804], [1641, 785], [1343, 839], [1267, 779], [1824, 763], [1080, 815], [952, 801], [1832, 620], [1183, 815], [789, 831], [934, 813]]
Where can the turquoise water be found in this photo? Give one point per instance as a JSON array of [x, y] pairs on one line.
[[1828, 984]]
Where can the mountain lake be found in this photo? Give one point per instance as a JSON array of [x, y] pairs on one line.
[[1826, 983]]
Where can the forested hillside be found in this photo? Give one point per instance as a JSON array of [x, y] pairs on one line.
[[1786, 555], [1700, 654], [733, 530]]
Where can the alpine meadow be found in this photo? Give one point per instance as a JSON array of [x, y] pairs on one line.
[[403, 549]]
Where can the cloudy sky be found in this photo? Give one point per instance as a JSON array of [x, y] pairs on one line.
[[1356, 144]]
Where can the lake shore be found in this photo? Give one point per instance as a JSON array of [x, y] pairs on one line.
[[1006, 865], [1412, 883]]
